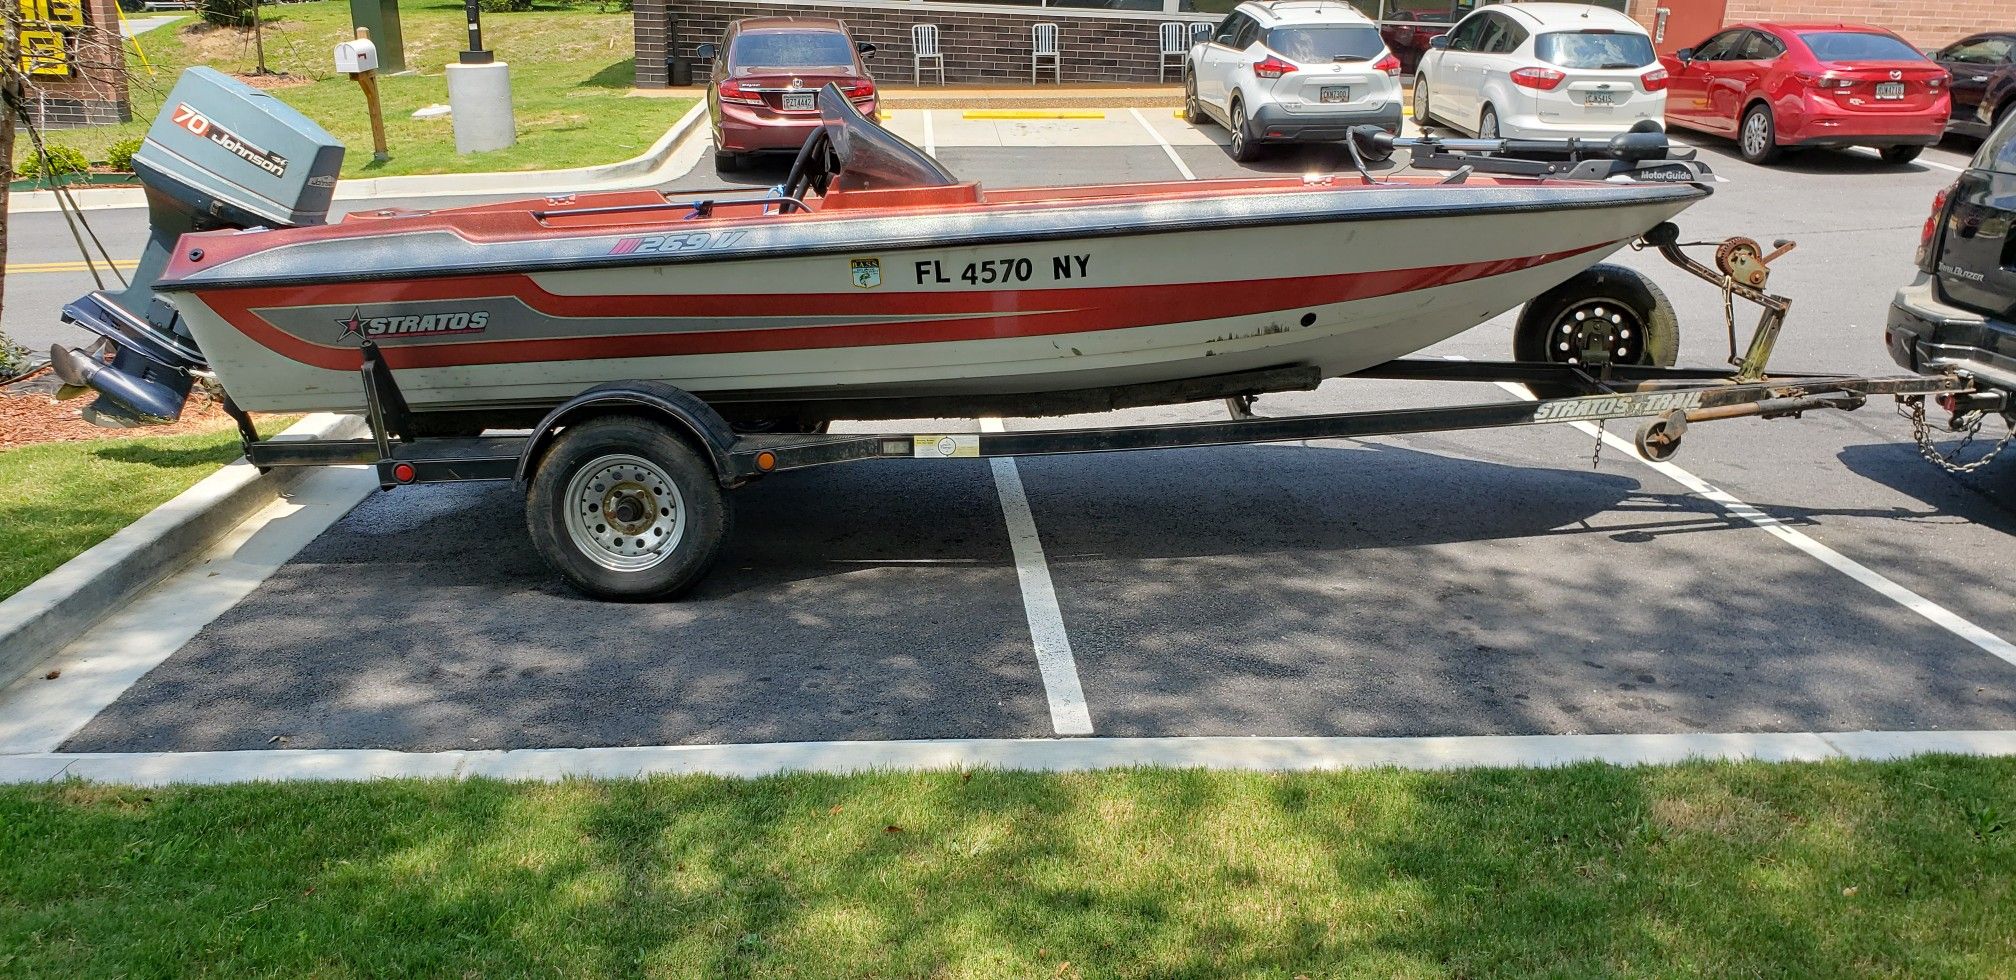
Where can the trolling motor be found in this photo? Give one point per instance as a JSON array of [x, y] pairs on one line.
[[221, 155], [1640, 154]]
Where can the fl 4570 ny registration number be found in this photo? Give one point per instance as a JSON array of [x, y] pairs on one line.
[[1007, 269]]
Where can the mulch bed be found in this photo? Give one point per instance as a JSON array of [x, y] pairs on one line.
[[28, 415]]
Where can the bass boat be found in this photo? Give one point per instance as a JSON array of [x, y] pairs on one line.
[[872, 283]]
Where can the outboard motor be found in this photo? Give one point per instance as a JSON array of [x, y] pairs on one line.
[[221, 155]]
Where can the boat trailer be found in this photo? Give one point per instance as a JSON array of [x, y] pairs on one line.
[[1671, 399]]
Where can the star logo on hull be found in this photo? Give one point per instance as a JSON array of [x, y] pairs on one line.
[[352, 327]]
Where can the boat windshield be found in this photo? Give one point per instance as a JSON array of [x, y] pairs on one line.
[[868, 157]]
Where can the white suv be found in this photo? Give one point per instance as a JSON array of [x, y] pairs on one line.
[[1284, 71], [1541, 71]]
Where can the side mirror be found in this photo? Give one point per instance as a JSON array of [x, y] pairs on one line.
[[866, 48], [1685, 55], [1439, 41], [706, 52]]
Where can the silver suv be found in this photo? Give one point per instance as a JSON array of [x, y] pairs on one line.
[[1289, 71]]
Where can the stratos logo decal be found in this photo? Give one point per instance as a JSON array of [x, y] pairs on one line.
[[413, 325]]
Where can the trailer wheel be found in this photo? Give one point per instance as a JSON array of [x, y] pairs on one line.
[[1659, 439], [625, 509], [1606, 314]]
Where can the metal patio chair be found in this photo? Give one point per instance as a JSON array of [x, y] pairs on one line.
[[1043, 44], [1176, 40], [925, 53], [1202, 31]]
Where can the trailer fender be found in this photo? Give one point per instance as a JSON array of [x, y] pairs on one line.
[[652, 399]]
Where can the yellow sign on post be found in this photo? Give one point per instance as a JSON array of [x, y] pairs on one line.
[[65, 13], [43, 53]]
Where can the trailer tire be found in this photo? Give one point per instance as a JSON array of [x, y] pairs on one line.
[[1642, 324], [589, 509]]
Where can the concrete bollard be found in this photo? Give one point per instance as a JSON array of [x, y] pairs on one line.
[[480, 97]]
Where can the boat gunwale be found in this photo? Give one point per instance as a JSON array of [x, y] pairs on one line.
[[1076, 222]]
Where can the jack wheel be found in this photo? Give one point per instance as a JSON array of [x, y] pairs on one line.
[[1659, 439]]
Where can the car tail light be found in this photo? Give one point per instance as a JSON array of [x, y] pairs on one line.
[[1389, 64], [1544, 79], [1655, 80], [860, 90], [1827, 81], [1932, 226], [1272, 68], [1937, 80], [732, 91]]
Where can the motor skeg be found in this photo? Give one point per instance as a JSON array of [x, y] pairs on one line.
[[221, 155]]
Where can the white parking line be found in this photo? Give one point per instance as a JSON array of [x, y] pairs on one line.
[[1258, 753], [1945, 618], [1164, 144], [1068, 714], [930, 135]]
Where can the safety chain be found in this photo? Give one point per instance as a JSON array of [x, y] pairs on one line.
[[1922, 433]]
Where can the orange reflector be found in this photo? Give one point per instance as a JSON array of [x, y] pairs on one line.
[[403, 472], [766, 461]]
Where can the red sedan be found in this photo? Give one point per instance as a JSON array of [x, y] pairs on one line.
[[767, 73], [1775, 87]]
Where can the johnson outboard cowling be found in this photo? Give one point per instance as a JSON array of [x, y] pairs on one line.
[[221, 155]]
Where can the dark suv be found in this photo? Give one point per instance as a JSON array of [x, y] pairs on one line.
[[1960, 312]]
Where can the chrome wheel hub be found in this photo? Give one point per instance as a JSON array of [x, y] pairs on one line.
[[624, 513]]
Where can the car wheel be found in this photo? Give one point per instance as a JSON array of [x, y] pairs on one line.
[[1243, 148], [1901, 154], [726, 162], [623, 508], [1193, 110], [1487, 125], [1606, 314], [1421, 117], [1758, 139]]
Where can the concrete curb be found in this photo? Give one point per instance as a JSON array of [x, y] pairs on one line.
[[1257, 753], [637, 170], [40, 620]]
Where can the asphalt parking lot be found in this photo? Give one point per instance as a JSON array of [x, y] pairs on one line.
[[1509, 582]]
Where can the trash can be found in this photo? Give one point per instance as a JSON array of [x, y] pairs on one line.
[[678, 71]]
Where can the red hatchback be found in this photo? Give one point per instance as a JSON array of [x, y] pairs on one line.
[[762, 93], [1780, 86]]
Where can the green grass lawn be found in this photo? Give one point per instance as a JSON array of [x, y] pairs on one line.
[[57, 499], [570, 70], [1837, 869]]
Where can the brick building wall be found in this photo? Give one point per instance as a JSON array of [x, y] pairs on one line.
[[1924, 23], [94, 92], [982, 44]]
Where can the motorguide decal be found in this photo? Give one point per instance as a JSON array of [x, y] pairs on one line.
[[1617, 406], [252, 153]]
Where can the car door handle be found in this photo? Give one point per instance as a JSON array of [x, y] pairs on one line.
[[1978, 78]]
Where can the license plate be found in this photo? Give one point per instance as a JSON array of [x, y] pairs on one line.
[[1889, 90], [800, 100], [1599, 98], [1336, 93]]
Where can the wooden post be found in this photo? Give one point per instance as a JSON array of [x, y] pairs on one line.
[[368, 81]]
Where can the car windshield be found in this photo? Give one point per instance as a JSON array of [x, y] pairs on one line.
[[1858, 46], [1998, 152], [1342, 42], [1595, 49], [791, 49]]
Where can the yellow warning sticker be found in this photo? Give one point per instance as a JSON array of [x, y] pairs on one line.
[[945, 447]]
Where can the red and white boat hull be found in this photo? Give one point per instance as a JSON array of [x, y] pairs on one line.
[[1054, 311]]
